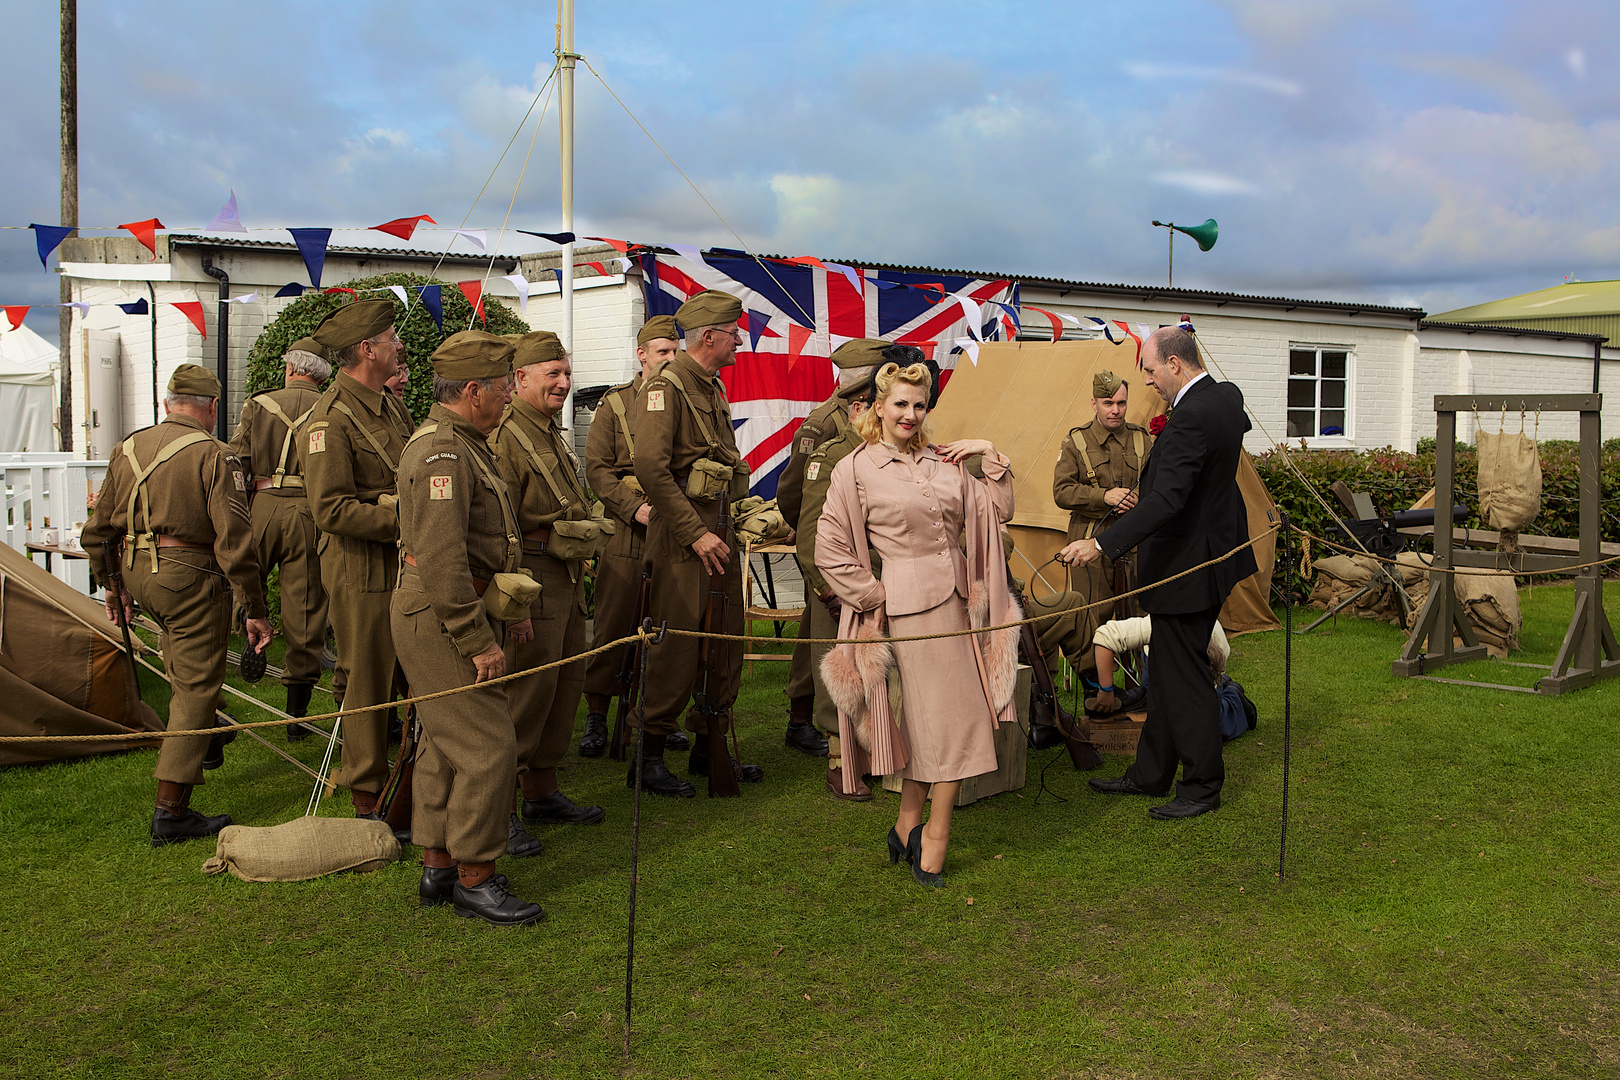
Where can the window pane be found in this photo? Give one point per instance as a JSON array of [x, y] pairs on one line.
[[1332, 394], [1333, 365], [1332, 418], [1301, 362], [1301, 422], [1301, 393]]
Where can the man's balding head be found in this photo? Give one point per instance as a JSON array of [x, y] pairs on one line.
[[1170, 361]]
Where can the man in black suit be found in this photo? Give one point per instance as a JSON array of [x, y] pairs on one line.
[[1189, 511]]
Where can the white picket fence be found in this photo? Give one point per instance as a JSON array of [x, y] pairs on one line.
[[47, 496]]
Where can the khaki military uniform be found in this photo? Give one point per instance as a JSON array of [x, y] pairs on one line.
[[401, 413], [534, 458], [352, 444], [826, 421], [610, 472], [680, 417], [284, 535], [1092, 461], [188, 545], [458, 529]]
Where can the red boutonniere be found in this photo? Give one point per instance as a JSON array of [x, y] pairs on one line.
[[1156, 425]]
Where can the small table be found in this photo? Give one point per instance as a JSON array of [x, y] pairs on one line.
[[771, 612], [65, 552]]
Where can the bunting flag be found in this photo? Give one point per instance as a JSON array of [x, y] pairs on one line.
[[688, 252], [192, 309], [250, 298], [292, 288], [145, 232], [558, 238], [137, 308], [339, 288], [971, 347], [474, 236], [47, 238], [227, 220], [1132, 335], [521, 284], [621, 246], [474, 292], [399, 291], [781, 377], [598, 267], [1057, 323], [850, 274], [15, 313], [758, 323], [77, 305], [434, 302], [403, 227], [312, 246]]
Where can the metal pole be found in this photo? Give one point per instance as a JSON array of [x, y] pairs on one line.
[[565, 118], [1170, 280], [1597, 364], [70, 210]]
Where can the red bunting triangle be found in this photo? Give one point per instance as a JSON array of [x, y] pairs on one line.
[[622, 247], [340, 288], [15, 314], [474, 292], [798, 337], [192, 309], [143, 231], [1057, 323], [403, 227], [1132, 335], [598, 267], [806, 260]]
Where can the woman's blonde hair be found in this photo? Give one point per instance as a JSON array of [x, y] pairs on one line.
[[870, 426]]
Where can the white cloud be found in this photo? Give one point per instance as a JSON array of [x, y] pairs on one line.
[[1206, 183], [1152, 72]]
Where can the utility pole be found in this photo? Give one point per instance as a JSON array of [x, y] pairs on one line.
[[70, 210], [565, 124]]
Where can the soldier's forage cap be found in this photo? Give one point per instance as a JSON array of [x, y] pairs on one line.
[[659, 326], [354, 323], [861, 352], [189, 379], [535, 347], [310, 345], [858, 389], [473, 354], [1104, 383], [711, 307]]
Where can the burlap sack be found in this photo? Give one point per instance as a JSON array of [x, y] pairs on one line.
[[1491, 602], [304, 848], [1509, 483]]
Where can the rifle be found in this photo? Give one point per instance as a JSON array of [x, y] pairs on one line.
[[111, 552], [723, 768], [620, 742], [394, 804], [1043, 697]]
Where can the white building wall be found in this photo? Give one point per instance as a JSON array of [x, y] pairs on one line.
[[1452, 363]]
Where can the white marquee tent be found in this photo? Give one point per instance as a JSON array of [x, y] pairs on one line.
[[27, 391]]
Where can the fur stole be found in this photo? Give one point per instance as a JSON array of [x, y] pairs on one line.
[[857, 674]]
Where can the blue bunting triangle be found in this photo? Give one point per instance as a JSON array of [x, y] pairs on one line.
[[757, 322], [554, 237], [312, 246], [47, 238], [137, 308], [434, 302], [292, 288]]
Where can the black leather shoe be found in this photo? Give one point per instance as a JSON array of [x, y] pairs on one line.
[[1123, 786], [169, 828], [1179, 808], [658, 780], [1044, 736], [403, 835], [559, 809], [914, 857], [677, 740], [698, 765], [438, 885], [217, 744], [594, 742], [519, 844], [806, 739], [494, 903]]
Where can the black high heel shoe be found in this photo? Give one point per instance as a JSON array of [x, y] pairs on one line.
[[896, 848], [914, 857]]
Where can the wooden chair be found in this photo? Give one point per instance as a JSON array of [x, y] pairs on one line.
[[768, 611]]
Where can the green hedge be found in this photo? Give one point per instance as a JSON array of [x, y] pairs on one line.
[[417, 330]]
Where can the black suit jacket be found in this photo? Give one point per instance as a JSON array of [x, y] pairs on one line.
[[1189, 508]]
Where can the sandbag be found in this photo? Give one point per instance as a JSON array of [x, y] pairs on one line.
[[1509, 483], [1491, 602], [304, 848]]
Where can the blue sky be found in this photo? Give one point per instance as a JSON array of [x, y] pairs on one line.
[[1433, 154]]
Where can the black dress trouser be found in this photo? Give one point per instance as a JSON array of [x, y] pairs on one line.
[[1183, 721]]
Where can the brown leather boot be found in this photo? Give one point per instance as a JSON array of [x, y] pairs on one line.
[[173, 821]]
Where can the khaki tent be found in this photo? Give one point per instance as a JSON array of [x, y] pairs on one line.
[[62, 669], [1025, 396]]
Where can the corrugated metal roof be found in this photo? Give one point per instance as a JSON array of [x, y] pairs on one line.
[[1514, 331], [415, 254], [1569, 300]]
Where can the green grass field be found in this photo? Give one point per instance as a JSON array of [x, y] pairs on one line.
[[1451, 909]]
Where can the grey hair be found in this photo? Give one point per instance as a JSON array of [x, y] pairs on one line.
[[308, 365], [449, 391], [851, 376], [188, 401]]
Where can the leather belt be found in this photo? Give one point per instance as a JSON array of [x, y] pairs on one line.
[[164, 540], [480, 586], [265, 483], [538, 536]]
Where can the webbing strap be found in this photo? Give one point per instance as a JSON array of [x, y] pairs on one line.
[[616, 400], [514, 541], [697, 414], [371, 436], [138, 491], [279, 478], [544, 464]]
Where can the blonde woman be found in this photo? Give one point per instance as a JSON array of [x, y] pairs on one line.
[[910, 501]]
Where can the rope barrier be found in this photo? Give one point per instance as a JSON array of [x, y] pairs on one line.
[[1481, 571]]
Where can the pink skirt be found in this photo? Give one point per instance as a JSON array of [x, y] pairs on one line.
[[943, 711]]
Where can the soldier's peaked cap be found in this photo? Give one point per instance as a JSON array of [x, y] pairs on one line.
[[354, 323]]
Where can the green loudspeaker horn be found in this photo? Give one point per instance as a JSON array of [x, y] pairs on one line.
[[1205, 234]]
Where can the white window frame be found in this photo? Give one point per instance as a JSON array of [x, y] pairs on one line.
[[1323, 442]]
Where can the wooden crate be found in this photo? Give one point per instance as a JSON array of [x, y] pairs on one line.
[[1012, 753], [1116, 735]]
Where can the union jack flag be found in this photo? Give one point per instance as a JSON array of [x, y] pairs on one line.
[[797, 311]]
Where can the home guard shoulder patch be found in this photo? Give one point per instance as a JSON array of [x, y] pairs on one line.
[[655, 401], [440, 487]]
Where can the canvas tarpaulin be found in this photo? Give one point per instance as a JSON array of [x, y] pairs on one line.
[[62, 669], [1025, 396]]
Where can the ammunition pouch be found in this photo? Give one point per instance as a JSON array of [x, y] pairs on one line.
[[575, 540], [509, 595], [710, 479], [634, 485], [739, 481]]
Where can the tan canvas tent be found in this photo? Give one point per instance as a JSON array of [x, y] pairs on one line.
[[1025, 396], [62, 669]]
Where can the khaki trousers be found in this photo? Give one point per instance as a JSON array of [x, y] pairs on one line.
[[618, 583], [543, 705], [680, 594], [461, 791], [190, 600], [284, 534], [362, 574]]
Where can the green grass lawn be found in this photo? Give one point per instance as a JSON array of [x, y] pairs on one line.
[[1451, 909]]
